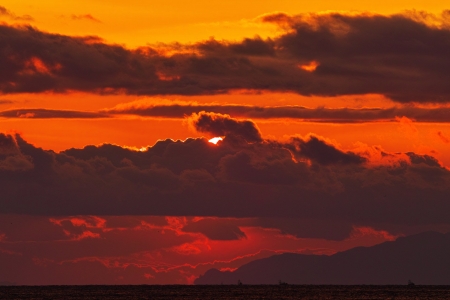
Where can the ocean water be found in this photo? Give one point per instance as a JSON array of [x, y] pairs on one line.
[[246, 292]]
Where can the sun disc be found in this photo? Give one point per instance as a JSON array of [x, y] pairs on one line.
[[215, 140]]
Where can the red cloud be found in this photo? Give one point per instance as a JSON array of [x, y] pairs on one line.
[[131, 255]]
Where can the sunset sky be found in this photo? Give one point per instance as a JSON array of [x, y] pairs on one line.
[[334, 119]]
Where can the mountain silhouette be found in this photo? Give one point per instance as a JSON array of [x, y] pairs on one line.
[[423, 258]]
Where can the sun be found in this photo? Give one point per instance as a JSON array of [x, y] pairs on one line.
[[215, 140]]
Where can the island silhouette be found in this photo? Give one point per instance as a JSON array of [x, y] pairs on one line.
[[422, 258]]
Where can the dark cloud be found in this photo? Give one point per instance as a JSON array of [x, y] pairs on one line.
[[243, 166], [7, 144], [321, 114], [42, 113], [318, 150], [46, 244], [223, 125], [178, 110], [306, 179], [216, 229], [125, 249], [11, 159], [398, 56], [423, 159], [230, 228], [34, 61], [250, 47], [393, 55], [308, 228]]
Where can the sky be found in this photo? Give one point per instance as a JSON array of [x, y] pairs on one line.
[[145, 142]]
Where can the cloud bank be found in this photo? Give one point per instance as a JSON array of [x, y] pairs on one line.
[[180, 110], [320, 114], [307, 178], [399, 56]]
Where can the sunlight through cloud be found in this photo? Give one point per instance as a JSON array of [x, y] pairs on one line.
[[215, 140]]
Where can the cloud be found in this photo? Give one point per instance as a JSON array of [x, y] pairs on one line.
[[166, 109], [423, 159], [6, 101], [306, 178], [181, 110], [7, 13], [308, 228], [318, 150], [443, 137], [59, 63], [223, 125], [11, 159], [88, 17], [364, 48], [398, 56], [216, 229], [146, 250], [41, 113]]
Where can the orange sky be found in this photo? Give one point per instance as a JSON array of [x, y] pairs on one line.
[[369, 153], [138, 22]]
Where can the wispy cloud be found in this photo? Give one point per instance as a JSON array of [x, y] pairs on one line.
[[7, 13], [167, 109], [180, 110], [40, 113], [87, 17], [6, 101], [443, 137]]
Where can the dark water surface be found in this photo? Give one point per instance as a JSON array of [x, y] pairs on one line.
[[224, 292]]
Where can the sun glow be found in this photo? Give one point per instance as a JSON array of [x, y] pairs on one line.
[[215, 140], [310, 67]]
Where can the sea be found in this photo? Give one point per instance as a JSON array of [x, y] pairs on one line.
[[245, 292]]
